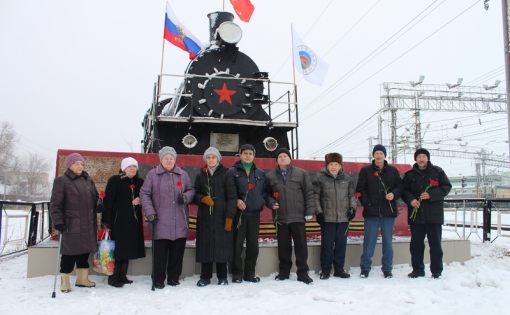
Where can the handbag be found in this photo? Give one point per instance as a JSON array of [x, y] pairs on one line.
[[104, 261]]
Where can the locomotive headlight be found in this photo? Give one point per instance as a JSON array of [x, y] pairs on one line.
[[230, 32]]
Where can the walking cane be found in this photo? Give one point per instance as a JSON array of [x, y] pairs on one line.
[[53, 295], [152, 249]]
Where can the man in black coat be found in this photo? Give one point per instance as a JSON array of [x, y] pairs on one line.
[[250, 193], [380, 186], [425, 187]]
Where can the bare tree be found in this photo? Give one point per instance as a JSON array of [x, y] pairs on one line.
[[7, 145], [35, 172]]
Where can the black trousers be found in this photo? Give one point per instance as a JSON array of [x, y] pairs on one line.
[[333, 246], [248, 230], [168, 256], [417, 247], [286, 234], [67, 262], [207, 270]]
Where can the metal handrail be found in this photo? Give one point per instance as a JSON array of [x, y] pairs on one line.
[[34, 220]]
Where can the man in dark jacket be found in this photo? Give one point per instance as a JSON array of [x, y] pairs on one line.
[[380, 186], [291, 196], [425, 187], [250, 190]]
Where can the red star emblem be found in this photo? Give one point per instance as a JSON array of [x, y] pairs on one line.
[[225, 94]]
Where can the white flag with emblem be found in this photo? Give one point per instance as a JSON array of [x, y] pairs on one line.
[[306, 61]]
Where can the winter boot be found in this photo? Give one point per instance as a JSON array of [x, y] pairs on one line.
[[123, 273], [115, 279], [82, 278], [65, 283]]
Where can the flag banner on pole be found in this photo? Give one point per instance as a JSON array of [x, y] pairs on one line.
[[177, 34], [307, 62], [244, 9]]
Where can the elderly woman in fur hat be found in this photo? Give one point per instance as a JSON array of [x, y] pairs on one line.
[[123, 214], [336, 206], [216, 197], [73, 212]]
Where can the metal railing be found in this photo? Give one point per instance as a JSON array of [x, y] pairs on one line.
[[23, 224], [463, 215]]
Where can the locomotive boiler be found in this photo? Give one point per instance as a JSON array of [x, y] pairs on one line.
[[224, 101]]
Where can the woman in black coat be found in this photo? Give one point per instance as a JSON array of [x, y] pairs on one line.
[[122, 213], [215, 195]]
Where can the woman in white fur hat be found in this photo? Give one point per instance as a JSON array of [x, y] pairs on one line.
[[122, 213]]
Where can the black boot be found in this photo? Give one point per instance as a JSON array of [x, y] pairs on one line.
[[114, 280], [123, 273]]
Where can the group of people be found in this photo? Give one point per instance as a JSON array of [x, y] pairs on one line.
[[229, 204]]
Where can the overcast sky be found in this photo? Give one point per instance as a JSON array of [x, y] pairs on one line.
[[79, 74]]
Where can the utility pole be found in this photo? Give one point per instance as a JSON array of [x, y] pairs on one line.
[[417, 124], [504, 7]]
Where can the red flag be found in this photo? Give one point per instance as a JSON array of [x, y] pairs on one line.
[[243, 8]]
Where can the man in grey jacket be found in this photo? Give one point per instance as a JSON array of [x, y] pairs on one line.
[[291, 196]]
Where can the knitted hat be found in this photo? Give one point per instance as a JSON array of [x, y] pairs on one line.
[[127, 162], [283, 150], [422, 151], [73, 158], [246, 147], [379, 147], [333, 157], [167, 150], [213, 151]]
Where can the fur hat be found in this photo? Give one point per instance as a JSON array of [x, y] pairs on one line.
[[73, 158], [422, 151], [167, 150], [283, 150], [127, 162], [213, 151], [247, 146], [333, 157], [379, 147]]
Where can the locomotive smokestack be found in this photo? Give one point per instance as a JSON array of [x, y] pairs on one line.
[[215, 20]]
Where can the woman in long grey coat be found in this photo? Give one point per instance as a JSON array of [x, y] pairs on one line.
[[165, 195], [73, 212], [216, 197], [336, 206]]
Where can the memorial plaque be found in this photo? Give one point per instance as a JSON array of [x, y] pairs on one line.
[[226, 142]]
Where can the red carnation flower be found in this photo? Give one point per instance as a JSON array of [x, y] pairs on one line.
[[276, 195], [434, 183], [204, 170], [132, 186], [102, 194], [376, 173], [250, 186], [357, 194], [178, 184]]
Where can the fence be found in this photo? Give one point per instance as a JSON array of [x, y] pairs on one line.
[[465, 215], [23, 224]]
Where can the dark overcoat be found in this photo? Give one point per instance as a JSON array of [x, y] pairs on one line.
[[213, 243], [73, 203], [125, 220]]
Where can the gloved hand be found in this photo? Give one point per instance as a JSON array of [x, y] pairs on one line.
[[228, 224], [208, 201], [182, 199], [308, 217], [320, 218], [351, 213], [60, 227], [153, 218]]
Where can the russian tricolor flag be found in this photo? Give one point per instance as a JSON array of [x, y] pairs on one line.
[[177, 34]]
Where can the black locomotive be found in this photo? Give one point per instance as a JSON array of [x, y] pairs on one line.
[[223, 101]]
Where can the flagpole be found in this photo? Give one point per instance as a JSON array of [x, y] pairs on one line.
[[161, 68], [295, 88]]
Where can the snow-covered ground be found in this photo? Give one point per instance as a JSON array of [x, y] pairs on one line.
[[479, 286]]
